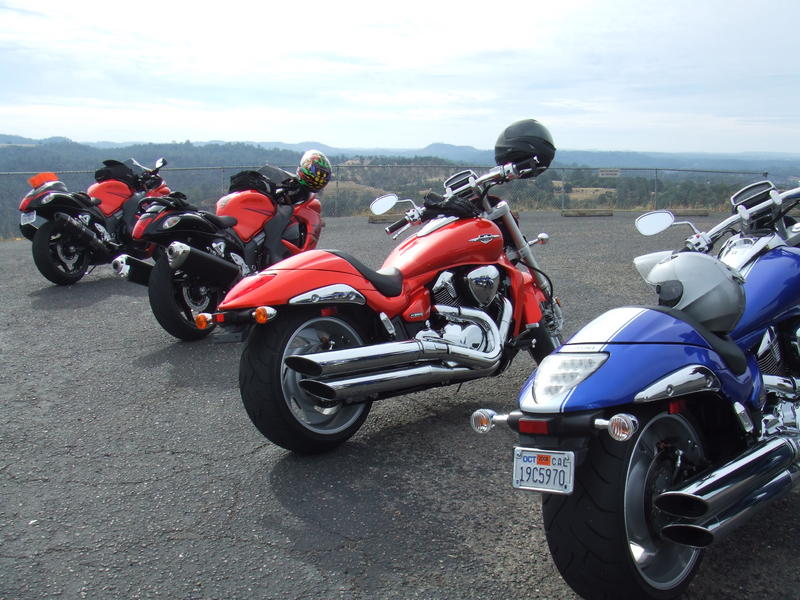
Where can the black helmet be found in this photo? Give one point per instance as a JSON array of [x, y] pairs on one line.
[[523, 140]]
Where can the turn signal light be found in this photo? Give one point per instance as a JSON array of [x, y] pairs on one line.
[[262, 314], [481, 420], [202, 321]]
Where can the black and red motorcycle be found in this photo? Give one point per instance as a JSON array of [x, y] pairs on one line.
[[73, 231], [205, 254]]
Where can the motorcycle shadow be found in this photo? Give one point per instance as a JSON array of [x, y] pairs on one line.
[[199, 364], [418, 506], [84, 293], [758, 560], [401, 505]]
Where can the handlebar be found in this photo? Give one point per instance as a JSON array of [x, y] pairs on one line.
[[397, 225], [703, 241]]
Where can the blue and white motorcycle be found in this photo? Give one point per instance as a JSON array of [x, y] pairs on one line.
[[655, 430]]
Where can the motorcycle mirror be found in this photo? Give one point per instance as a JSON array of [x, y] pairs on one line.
[[383, 204], [160, 163], [654, 222]]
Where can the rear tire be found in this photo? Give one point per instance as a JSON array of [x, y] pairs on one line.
[[60, 257], [277, 406], [176, 298], [595, 533]]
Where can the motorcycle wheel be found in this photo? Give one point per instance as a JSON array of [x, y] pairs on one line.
[[604, 536], [175, 299], [277, 406], [58, 256]]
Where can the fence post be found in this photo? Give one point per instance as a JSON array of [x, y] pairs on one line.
[[655, 192]]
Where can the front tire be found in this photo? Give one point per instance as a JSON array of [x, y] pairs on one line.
[[283, 412], [60, 257], [176, 298], [604, 537]]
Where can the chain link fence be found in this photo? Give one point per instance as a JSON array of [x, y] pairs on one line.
[[354, 186]]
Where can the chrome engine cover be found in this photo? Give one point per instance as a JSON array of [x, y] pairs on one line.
[[483, 283]]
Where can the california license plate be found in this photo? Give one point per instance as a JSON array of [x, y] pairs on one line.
[[27, 218], [544, 470]]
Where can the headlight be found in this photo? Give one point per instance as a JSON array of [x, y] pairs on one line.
[[558, 374]]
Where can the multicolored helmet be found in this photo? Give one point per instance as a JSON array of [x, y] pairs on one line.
[[314, 171]]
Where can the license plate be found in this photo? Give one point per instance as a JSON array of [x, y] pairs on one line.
[[544, 470], [27, 218]]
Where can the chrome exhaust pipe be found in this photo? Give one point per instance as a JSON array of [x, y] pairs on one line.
[[132, 269], [717, 491], [212, 269], [379, 357], [465, 364], [387, 381], [718, 527]]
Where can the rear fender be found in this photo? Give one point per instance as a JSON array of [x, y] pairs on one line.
[[633, 369], [47, 205], [187, 223], [276, 287], [43, 186], [643, 347]]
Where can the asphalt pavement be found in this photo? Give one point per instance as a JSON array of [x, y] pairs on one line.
[[129, 469]]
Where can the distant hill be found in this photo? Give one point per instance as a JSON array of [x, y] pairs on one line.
[[776, 164]]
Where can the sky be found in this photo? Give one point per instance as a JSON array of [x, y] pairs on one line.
[[628, 75]]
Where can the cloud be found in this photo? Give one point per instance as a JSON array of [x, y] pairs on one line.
[[617, 74]]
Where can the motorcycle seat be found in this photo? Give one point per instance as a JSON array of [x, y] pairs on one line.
[[220, 221], [389, 282], [86, 199], [730, 353]]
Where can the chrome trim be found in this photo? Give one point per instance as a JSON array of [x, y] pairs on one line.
[[785, 387], [485, 238], [177, 253], [744, 417], [483, 283], [387, 324], [688, 380], [338, 293], [445, 282], [120, 265]]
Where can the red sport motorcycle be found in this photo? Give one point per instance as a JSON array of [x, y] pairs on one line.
[[205, 253], [72, 231], [452, 303]]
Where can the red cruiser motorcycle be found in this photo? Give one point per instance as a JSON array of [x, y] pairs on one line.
[[72, 231], [206, 253], [454, 302]]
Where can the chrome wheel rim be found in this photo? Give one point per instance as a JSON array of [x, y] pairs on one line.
[[661, 563], [319, 335]]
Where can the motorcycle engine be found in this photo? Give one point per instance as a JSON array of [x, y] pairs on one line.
[[475, 287]]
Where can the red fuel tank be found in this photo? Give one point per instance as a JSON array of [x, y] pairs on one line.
[[251, 210], [111, 193], [436, 247]]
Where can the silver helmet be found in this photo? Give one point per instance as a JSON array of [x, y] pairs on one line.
[[706, 289]]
